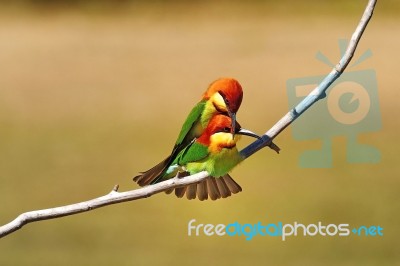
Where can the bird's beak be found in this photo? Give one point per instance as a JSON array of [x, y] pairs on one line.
[[246, 132], [233, 125]]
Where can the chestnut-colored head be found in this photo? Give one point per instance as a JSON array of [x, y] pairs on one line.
[[226, 95], [229, 91], [218, 133]]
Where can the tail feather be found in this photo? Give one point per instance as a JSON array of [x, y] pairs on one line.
[[152, 175], [202, 192], [232, 185], [191, 191], [180, 191], [169, 191], [223, 188], [212, 188]]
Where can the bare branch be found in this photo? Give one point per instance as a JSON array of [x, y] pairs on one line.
[[112, 198], [117, 197], [319, 92]]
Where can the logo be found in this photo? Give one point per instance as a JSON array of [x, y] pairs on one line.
[[351, 107], [281, 230]]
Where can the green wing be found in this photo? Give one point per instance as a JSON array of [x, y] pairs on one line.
[[192, 153], [187, 132], [190, 130]]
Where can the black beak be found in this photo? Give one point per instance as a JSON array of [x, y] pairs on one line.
[[246, 132], [233, 125]]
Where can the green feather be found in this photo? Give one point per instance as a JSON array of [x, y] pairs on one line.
[[216, 164], [189, 126], [186, 150], [192, 153], [191, 129]]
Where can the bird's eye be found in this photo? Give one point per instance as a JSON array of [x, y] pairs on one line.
[[227, 129], [224, 97]]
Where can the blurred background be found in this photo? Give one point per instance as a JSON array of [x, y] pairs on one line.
[[91, 92]]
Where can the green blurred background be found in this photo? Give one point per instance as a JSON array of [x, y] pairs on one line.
[[91, 92]]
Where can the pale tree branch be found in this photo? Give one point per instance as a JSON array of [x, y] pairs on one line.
[[111, 198], [319, 92], [117, 197]]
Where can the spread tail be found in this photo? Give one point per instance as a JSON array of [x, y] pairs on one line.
[[152, 175], [211, 187]]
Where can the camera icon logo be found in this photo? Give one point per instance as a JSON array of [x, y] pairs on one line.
[[351, 108]]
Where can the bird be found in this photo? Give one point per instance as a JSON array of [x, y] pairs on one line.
[[223, 96], [213, 151]]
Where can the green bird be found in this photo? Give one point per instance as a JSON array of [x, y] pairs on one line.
[[223, 96], [213, 151]]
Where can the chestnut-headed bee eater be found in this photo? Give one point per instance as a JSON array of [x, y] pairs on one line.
[[213, 151], [223, 96]]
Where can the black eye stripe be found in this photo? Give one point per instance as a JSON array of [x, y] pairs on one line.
[[225, 130], [224, 97]]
